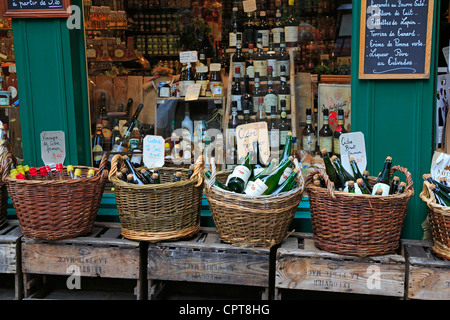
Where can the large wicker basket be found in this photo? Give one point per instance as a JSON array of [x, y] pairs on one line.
[[250, 221], [57, 209], [156, 212], [439, 219], [355, 224]]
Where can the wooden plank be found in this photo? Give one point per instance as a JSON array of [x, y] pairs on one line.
[[103, 84], [120, 93], [134, 91], [15, 133], [8, 258], [316, 270]]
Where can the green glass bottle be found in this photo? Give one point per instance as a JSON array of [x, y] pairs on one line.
[[401, 188], [362, 186], [217, 183], [287, 149], [383, 179], [331, 170], [357, 174], [266, 185], [238, 179], [395, 184], [428, 178], [351, 186], [289, 184], [343, 174], [137, 177]]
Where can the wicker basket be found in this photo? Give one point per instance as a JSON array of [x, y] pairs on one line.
[[250, 221], [439, 219], [57, 209], [156, 212], [355, 224]]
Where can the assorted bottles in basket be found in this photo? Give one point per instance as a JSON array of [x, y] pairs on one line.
[[357, 182], [253, 178], [440, 188], [24, 172], [131, 173]]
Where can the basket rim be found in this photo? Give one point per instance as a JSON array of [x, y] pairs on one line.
[[119, 183], [264, 198], [407, 193]]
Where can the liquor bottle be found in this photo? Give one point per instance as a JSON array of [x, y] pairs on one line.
[[237, 180], [236, 25], [202, 79], [271, 96], [137, 177], [189, 79], [277, 26], [246, 118], [330, 169], [284, 125], [309, 134], [263, 27], [129, 105], [326, 134], [187, 125], [351, 186], [340, 129], [157, 177], [135, 138], [217, 183], [234, 121], [249, 32], [289, 184], [382, 181], [395, 184], [49, 172], [102, 107], [257, 93], [260, 59], [267, 184], [428, 178], [247, 98], [274, 133], [115, 135], [98, 142], [283, 56], [357, 173], [236, 92], [291, 27], [136, 156], [239, 58], [272, 58], [258, 166], [261, 115], [362, 186], [344, 176], [284, 91], [132, 121], [249, 66]]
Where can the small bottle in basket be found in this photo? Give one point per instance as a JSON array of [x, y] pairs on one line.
[[120, 176], [177, 176], [43, 173], [70, 171], [20, 176], [137, 178], [26, 169], [154, 179], [91, 173], [401, 188], [146, 175], [362, 186], [383, 179], [238, 179], [357, 174], [351, 186], [395, 184], [343, 174], [59, 171], [33, 174], [49, 173], [77, 174]]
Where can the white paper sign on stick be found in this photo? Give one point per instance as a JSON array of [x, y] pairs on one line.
[[353, 146], [249, 5], [246, 134], [53, 147], [153, 153], [188, 56]]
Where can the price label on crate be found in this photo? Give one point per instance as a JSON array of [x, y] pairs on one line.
[[53, 147], [188, 56], [353, 146], [246, 134], [153, 153]]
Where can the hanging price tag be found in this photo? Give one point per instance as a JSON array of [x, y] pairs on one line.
[[215, 67], [352, 145], [153, 153], [53, 147], [188, 56], [249, 5]]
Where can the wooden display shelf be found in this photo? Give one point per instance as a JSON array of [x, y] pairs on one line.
[[10, 257]]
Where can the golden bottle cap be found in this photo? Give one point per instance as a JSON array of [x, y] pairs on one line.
[[78, 172], [316, 182], [26, 168], [403, 184], [351, 183], [397, 178], [379, 191], [359, 181], [155, 176], [69, 168], [351, 159], [389, 158], [91, 172], [323, 151]]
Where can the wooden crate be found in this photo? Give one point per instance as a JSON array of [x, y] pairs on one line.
[[103, 254], [203, 258], [427, 275], [302, 266], [10, 256]]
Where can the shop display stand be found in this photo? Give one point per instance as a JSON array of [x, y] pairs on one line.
[[300, 265], [10, 257], [293, 116]]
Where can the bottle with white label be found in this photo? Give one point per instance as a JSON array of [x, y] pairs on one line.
[[260, 59], [239, 58], [187, 125], [257, 94], [238, 179], [189, 79], [340, 129], [382, 181], [271, 96], [326, 134], [263, 27], [309, 134], [249, 67], [284, 91], [236, 25], [236, 91], [277, 27], [284, 125], [291, 27], [283, 56], [272, 58]]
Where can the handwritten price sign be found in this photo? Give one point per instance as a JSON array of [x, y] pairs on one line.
[[353, 146], [53, 147], [246, 134], [153, 154]]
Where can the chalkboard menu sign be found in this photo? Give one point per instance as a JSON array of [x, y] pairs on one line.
[[34, 8], [395, 39]]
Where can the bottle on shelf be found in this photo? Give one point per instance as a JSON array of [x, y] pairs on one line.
[[272, 57], [260, 59], [257, 93], [98, 142], [261, 115], [238, 179], [274, 132], [236, 92], [291, 26], [202, 79], [271, 96], [249, 66], [247, 98], [309, 134], [340, 129], [325, 133], [263, 28], [284, 126], [188, 79], [284, 91], [187, 126], [236, 25], [382, 181], [135, 138], [249, 30], [239, 58], [283, 56]]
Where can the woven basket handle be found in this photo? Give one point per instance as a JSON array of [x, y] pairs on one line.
[[407, 175], [116, 163], [427, 195], [198, 168], [103, 163], [7, 161], [323, 174]]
